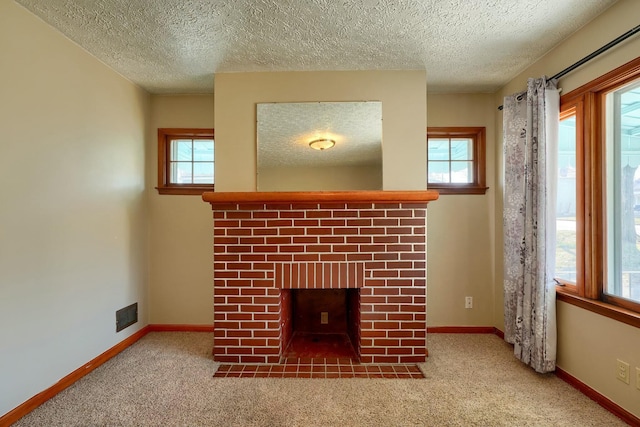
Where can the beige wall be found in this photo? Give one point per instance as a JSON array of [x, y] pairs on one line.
[[403, 96], [181, 227], [336, 178], [72, 206], [460, 250], [589, 344]]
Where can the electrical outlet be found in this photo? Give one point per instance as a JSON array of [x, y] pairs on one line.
[[622, 371], [468, 302], [638, 378], [324, 317]]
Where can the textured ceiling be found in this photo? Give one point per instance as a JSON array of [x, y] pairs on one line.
[[285, 130], [176, 46]]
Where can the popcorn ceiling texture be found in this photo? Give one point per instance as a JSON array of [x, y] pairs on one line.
[[176, 46]]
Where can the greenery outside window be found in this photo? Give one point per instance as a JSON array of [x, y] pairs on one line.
[[599, 217], [185, 161], [456, 160]]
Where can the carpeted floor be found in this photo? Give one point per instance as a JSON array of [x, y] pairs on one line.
[[166, 379]]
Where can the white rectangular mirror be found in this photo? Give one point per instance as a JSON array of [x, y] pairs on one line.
[[348, 146]]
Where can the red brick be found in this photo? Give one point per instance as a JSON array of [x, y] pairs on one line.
[[263, 231], [291, 231], [306, 257], [412, 239], [252, 240], [386, 325], [399, 350], [226, 359], [278, 206], [400, 300], [226, 274], [385, 359], [239, 300], [239, 333], [264, 215], [220, 257], [345, 248], [262, 283], [400, 334], [318, 248], [238, 266], [412, 308], [385, 256], [371, 214], [251, 206], [400, 213], [280, 257], [413, 256], [375, 316], [400, 248], [318, 214], [274, 223], [359, 257], [412, 359], [332, 206], [253, 291], [386, 291], [253, 342], [359, 206], [385, 239], [267, 334], [332, 239], [226, 342], [240, 249], [226, 291], [385, 273], [305, 223], [292, 214], [333, 257], [238, 215], [226, 223], [226, 240], [267, 317], [239, 316], [400, 265], [412, 273], [252, 275], [401, 316], [345, 214], [384, 342], [372, 248], [239, 232]]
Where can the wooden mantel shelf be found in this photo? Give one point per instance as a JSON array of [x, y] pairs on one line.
[[418, 196]]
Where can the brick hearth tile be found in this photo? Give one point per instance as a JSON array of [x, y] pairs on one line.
[[319, 371]]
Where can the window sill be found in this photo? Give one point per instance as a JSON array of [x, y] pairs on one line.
[[458, 189], [611, 311], [190, 191]]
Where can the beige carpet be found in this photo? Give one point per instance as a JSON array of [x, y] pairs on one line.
[[166, 379]]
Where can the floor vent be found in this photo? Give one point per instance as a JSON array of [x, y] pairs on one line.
[[126, 317]]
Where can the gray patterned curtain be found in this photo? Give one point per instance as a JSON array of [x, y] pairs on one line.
[[530, 145]]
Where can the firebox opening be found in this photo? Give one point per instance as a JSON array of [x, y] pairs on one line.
[[324, 323]]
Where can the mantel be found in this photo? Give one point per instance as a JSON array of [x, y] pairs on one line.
[[416, 196]]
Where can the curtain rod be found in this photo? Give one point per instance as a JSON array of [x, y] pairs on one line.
[[592, 55]]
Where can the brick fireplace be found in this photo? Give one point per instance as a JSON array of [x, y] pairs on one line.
[[268, 245]]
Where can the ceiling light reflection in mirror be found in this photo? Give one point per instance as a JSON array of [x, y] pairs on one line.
[[348, 155]]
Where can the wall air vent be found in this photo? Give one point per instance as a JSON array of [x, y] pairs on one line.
[[126, 317]]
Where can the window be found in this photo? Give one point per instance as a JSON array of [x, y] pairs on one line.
[[598, 204], [456, 160], [185, 161]]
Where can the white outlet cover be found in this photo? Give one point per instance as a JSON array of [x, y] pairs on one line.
[[622, 371]]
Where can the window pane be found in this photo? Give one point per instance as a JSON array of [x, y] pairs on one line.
[[623, 192], [461, 149], [203, 150], [438, 149], [462, 172], [181, 150], [566, 237], [203, 173], [181, 173], [438, 172]]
